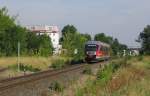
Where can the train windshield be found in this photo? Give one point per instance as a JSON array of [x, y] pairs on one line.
[[90, 47]]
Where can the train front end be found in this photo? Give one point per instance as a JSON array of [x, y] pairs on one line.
[[96, 51], [91, 52]]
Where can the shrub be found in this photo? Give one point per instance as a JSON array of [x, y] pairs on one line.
[[104, 75], [56, 86], [58, 64], [115, 66], [87, 70]]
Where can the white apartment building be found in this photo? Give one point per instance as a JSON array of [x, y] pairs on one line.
[[52, 31]]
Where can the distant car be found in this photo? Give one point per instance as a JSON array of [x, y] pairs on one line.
[[96, 51]]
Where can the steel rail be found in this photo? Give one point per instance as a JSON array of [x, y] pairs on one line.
[[12, 82]]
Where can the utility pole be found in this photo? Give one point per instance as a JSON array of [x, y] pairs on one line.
[[124, 53], [18, 59], [92, 36]]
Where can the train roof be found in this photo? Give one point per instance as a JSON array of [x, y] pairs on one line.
[[97, 42]]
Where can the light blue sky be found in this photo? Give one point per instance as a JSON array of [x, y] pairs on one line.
[[123, 19]]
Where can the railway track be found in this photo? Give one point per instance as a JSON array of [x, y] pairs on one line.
[[3, 69], [13, 82]]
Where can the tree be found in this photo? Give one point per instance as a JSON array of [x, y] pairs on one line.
[[103, 38], [69, 29], [6, 21], [39, 44], [144, 38], [73, 40], [45, 45], [87, 36], [68, 38], [32, 43], [10, 39], [11, 34]]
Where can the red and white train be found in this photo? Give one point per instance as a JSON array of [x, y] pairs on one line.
[[96, 51]]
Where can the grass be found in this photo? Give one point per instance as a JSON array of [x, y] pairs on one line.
[[24, 68], [42, 63], [126, 77], [29, 64], [58, 64], [37, 62]]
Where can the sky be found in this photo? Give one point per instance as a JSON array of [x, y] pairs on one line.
[[122, 19]]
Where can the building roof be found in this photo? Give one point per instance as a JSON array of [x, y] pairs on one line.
[[43, 28]]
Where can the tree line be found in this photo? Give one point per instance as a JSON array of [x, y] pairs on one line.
[[40, 45], [144, 39], [30, 43], [73, 40]]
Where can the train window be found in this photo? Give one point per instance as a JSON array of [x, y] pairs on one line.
[[102, 48], [90, 47]]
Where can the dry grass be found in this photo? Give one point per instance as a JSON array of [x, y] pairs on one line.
[[37, 62], [124, 77], [42, 63], [133, 80]]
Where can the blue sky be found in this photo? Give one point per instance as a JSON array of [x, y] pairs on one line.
[[123, 19]]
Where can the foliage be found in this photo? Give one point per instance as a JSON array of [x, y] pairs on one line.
[[32, 43], [72, 40], [58, 64], [105, 74], [11, 34], [68, 29], [87, 36], [6, 21], [45, 45], [10, 39], [102, 37], [144, 39], [131, 80]]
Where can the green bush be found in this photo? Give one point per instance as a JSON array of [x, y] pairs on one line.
[[104, 75], [87, 70], [115, 66], [56, 86], [58, 64]]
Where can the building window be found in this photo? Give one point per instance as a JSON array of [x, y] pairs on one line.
[[53, 40], [53, 34]]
